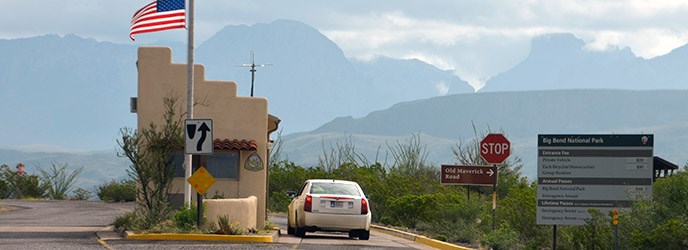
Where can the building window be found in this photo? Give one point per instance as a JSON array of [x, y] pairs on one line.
[[220, 165], [223, 165], [178, 164]]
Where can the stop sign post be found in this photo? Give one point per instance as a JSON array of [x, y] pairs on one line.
[[494, 149]]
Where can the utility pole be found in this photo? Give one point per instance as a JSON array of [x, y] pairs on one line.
[[253, 70]]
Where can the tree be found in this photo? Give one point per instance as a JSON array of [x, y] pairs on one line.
[[150, 152], [58, 181]]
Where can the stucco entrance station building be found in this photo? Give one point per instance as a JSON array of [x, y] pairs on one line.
[[241, 131]]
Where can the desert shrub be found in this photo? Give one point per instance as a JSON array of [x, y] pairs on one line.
[[22, 187], [58, 181], [458, 221], [4, 189], [408, 210], [124, 190], [502, 238], [125, 221], [81, 194], [597, 233], [226, 227], [186, 218]]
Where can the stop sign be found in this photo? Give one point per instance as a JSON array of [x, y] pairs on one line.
[[495, 148]]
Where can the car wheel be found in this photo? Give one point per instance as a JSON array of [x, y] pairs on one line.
[[364, 235], [290, 229], [353, 234], [299, 231]]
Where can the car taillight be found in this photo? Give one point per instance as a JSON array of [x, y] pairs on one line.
[[308, 205], [364, 206]]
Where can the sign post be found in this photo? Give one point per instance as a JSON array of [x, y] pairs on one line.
[[199, 141], [494, 149], [201, 181]]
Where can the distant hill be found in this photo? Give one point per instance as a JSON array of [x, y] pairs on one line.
[[73, 92], [561, 61], [65, 91], [443, 121], [98, 167]]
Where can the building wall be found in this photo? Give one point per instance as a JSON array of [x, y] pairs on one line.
[[233, 117]]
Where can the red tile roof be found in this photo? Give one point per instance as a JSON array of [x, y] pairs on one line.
[[235, 144]]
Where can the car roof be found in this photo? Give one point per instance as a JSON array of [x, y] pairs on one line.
[[330, 180]]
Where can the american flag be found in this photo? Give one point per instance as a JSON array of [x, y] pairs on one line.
[[158, 15]]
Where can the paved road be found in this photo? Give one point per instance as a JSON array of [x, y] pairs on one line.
[[320, 240], [73, 225], [39, 224]]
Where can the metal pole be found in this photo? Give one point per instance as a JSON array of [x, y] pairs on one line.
[[494, 197], [253, 76], [616, 237], [199, 196], [468, 190], [189, 97], [554, 241]]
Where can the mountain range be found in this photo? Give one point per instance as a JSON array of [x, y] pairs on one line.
[[74, 92], [562, 61], [69, 92], [447, 121]]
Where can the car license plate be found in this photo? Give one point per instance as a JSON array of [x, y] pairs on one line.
[[336, 204]]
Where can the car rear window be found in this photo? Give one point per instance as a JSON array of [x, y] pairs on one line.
[[334, 188]]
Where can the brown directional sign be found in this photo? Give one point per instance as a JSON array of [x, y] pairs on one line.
[[468, 175]]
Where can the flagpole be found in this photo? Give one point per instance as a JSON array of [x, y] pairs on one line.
[[189, 97]]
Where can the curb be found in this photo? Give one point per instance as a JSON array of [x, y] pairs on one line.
[[203, 237], [419, 238]]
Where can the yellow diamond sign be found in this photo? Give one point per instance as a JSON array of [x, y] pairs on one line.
[[201, 180]]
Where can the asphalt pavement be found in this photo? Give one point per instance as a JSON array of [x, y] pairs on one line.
[[43, 224]]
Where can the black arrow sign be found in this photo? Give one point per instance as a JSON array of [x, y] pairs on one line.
[[203, 129]]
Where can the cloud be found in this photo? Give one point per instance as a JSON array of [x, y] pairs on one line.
[[442, 88], [476, 38]]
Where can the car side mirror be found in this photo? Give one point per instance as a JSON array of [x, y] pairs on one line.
[[291, 194]]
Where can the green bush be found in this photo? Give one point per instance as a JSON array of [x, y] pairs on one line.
[[502, 238], [597, 233], [408, 210], [125, 190], [458, 221], [4, 189], [186, 218], [671, 235], [660, 223], [58, 181], [81, 194], [226, 227], [125, 221], [21, 187]]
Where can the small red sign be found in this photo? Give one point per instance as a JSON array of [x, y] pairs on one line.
[[468, 175], [495, 148]]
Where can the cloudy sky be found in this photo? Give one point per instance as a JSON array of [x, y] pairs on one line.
[[477, 39]]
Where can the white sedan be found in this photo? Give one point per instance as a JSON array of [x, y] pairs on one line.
[[329, 205]]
